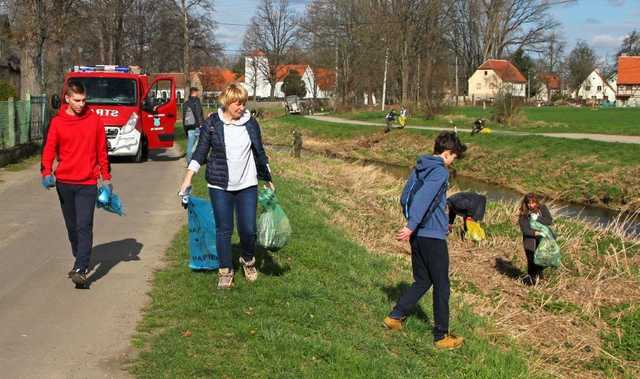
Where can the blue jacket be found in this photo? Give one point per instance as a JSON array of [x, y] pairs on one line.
[[211, 149], [426, 212]]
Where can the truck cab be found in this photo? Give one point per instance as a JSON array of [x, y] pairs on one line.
[[137, 115]]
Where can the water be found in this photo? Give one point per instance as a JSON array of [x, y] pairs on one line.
[[601, 217], [594, 215]]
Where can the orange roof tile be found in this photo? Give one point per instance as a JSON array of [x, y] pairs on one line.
[[216, 78], [629, 70], [325, 78], [505, 70], [552, 81], [283, 70]]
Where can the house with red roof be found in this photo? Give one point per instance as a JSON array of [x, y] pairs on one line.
[[495, 76], [319, 82], [628, 94], [214, 79], [549, 87]]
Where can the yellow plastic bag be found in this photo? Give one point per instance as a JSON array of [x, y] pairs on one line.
[[402, 120], [475, 231]]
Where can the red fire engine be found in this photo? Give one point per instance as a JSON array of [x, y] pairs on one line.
[[137, 116]]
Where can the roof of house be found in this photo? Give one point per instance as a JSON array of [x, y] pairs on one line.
[[504, 69], [552, 81], [629, 70], [216, 78], [178, 76], [325, 78], [283, 70]]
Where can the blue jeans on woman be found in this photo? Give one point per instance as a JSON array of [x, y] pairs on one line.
[[244, 202], [192, 139]]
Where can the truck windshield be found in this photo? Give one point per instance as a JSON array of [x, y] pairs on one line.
[[109, 90]]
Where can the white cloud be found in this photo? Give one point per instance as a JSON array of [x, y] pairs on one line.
[[606, 41], [616, 3]]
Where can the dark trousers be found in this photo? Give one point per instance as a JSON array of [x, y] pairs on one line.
[[534, 271], [430, 263], [78, 203], [244, 202]]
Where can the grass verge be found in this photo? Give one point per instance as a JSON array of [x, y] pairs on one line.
[[620, 121], [315, 311]]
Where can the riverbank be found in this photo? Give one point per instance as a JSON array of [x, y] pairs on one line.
[[316, 309], [586, 172]]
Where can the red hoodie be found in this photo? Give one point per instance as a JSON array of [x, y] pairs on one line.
[[79, 144]]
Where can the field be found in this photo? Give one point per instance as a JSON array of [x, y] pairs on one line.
[[620, 121]]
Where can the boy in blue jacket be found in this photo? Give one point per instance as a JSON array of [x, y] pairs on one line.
[[424, 201]]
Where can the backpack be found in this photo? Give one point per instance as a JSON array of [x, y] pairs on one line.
[[189, 117], [409, 193]]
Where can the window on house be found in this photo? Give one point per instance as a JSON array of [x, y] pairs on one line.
[[486, 73], [587, 88], [599, 88]]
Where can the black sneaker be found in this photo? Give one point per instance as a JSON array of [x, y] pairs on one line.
[[78, 277]]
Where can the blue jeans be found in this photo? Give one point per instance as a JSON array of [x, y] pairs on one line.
[[192, 140], [78, 203], [244, 202]]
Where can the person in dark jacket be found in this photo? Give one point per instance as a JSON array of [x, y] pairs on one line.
[[468, 205], [230, 144], [423, 199], [532, 208], [192, 119]]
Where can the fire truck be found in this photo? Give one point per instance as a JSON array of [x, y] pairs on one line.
[[137, 115]]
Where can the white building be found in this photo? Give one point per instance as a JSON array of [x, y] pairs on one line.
[[318, 82], [595, 88], [495, 76]]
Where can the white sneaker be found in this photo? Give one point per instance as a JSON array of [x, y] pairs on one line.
[[250, 272]]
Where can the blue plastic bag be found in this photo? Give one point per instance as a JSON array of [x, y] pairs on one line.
[[109, 201], [203, 254]]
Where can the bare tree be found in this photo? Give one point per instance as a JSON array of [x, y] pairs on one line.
[[273, 31]]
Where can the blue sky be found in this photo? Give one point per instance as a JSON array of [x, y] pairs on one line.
[[601, 23]]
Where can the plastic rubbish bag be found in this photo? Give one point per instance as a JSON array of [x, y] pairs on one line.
[[547, 253], [475, 231], [402, 120], [203, 254], [274, 229], [109, 201]]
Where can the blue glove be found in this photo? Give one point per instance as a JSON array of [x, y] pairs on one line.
[[48, 181], [104, 195]]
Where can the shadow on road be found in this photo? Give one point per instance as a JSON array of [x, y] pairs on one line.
[[106, 256]]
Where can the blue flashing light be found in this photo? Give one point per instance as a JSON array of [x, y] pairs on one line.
[[102, 67]]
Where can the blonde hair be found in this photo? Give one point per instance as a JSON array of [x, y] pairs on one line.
[[231, 93]]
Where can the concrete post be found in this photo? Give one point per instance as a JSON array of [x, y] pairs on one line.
[[10, 131]]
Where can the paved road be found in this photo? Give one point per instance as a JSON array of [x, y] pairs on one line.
[[579, 136], [49, 329]]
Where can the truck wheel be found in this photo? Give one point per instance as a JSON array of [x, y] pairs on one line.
[[142, 154]]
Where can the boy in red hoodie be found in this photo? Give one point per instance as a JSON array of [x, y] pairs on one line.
[[76, 139]]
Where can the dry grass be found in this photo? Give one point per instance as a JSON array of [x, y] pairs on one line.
[[560, 320]]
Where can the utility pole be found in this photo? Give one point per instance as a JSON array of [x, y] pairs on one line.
[[335, 94], [457, 93], [528, 85], [384, 81]]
